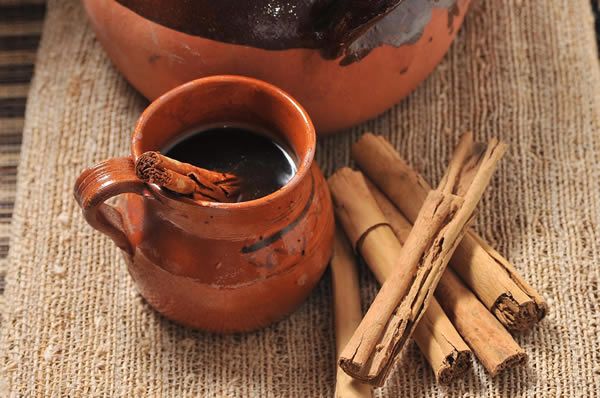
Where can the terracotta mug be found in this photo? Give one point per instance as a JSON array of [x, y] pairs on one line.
[[216, 266]]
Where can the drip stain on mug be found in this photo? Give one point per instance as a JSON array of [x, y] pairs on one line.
[[263, 163]]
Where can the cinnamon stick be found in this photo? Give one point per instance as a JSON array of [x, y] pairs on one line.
[[347, 312], [187, 179], [438, 340], [488, 274], [491, 343], [445, 350], [403, 298]]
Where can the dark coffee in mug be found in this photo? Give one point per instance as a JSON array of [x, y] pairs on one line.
[[262, 163]]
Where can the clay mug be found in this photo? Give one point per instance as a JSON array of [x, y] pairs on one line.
[[216, 266]]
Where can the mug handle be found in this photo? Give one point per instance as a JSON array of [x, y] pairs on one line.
[[96, 185]]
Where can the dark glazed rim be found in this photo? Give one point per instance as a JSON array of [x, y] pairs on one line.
[[304, 164], [330, 27]]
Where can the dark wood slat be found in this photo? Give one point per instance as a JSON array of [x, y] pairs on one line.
[[16, 74], [3, 246], [12, 107], [5, 216], [7, 170], [10, 139], [15, 43], [22, 12], [8, 180]]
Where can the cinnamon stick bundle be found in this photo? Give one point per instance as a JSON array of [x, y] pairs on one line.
[[490, 276], [187, 179], [435, 335], [347, 312], [405, 295], [491, 343], [438, 340]]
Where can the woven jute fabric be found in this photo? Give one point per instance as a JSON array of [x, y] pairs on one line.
[[524, 71]]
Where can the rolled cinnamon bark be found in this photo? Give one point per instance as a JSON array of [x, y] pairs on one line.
[[187, 179], [447, 353], [347, 312], [490, 276], [442, 345], [491, 343], [440, 225]]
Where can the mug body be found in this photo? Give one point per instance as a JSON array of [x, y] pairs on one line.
[[223, 273], [228, 266]]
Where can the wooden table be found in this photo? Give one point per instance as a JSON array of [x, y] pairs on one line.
[[20, 29]]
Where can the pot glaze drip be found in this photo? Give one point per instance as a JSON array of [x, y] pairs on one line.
[[348, 28]]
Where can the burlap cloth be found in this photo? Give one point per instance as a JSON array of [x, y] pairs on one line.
[[526, 71]]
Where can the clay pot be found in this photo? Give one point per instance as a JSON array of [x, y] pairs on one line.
[[344, 61], [217, 266]]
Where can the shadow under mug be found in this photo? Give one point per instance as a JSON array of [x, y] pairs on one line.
[[217, 266]]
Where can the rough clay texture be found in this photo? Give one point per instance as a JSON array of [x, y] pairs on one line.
[[524, 71]]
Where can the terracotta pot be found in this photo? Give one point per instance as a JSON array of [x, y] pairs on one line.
[[345, 61], [217, 266]]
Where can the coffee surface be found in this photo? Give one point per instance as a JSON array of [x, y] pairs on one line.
[[262, 164]]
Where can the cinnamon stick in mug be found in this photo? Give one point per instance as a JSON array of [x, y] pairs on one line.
[[496, 282], [491, 343], [186, 179], [404, 297], [347, 312]]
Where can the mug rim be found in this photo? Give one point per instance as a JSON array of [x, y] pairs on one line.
[[304, 164]]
